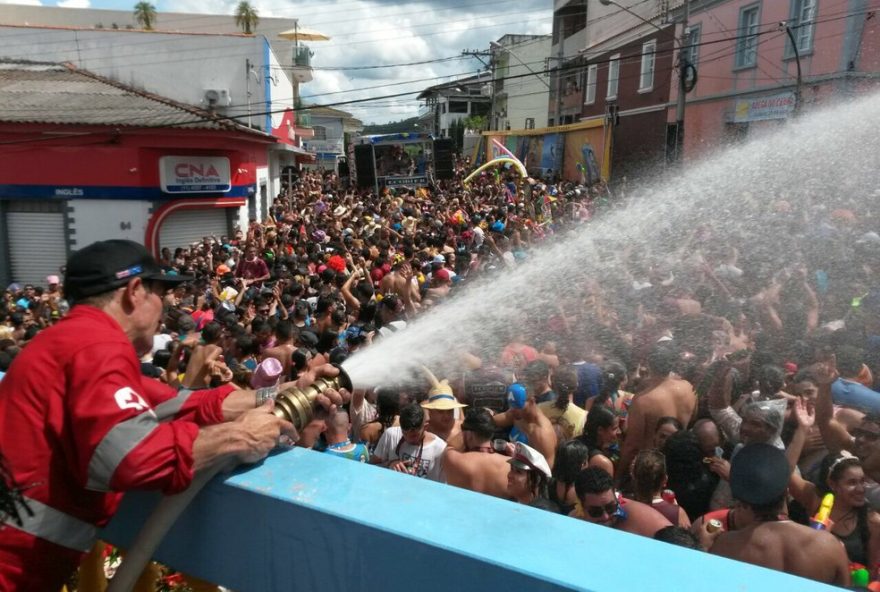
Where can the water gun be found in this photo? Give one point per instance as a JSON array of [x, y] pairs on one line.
[[859, 576], [822, 519]]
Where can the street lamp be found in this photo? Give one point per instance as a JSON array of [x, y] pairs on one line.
[[797, 58], [682, 70]]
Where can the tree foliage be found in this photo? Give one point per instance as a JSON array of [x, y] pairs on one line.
[[246, 17], [145, 14]]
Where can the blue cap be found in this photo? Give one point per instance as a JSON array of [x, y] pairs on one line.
[[497, 227], [516, 396]]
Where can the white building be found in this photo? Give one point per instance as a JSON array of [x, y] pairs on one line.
[[454, 101], [522, 89], [328, 143], [201, 60]]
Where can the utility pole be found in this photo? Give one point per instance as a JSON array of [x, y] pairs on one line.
[[682, 85], [560, 57], [480, 54], [798, 93]]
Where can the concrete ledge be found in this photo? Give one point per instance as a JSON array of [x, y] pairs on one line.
[[304, 521]]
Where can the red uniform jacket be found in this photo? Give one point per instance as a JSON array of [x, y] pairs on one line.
[[78, 425]]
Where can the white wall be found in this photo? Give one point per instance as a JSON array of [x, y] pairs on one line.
[[104, 219], [177, 66], [527, 95]]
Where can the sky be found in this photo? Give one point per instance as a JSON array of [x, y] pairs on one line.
[[378, 32]]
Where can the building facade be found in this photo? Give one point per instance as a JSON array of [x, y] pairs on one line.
[[748, 69], [86, 158], [455, 101], [617, 62], [329, 141], [522, 87]]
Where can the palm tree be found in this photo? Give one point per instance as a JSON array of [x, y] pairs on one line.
[[246, 17], [145, 14]]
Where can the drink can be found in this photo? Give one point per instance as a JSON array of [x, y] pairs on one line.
[[714, 525]]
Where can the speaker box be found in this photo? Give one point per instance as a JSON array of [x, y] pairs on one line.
[[365, 166], [443, 152]]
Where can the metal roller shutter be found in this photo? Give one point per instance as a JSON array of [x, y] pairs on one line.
[[185, 227], [37, 244]]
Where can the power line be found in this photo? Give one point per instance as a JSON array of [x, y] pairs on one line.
[[384, 97]]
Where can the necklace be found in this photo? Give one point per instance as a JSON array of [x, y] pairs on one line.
[[339, 445]]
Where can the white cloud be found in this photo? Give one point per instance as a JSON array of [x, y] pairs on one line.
[[375, 32], [74, 3]]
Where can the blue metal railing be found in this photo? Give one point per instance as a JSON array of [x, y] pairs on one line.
[[304, 521]]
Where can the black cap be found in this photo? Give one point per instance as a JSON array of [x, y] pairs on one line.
[[759, 474], [107, 265]]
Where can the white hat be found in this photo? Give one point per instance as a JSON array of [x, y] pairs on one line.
[[528, 459]]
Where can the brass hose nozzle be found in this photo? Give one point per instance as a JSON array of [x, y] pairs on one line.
[[298, 405]]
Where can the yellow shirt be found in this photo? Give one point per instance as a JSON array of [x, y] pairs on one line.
[[570, 420]]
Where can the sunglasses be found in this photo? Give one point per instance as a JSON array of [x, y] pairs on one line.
[[610, 509]]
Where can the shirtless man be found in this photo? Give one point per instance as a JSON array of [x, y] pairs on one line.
[[478, 468], [441, 406], [284, 346], [203, 356], [530, 425], [759, 479], [399, 282], [664, 396], [603, 506]]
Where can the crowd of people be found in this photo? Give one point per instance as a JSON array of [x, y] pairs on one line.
[[711, 401]]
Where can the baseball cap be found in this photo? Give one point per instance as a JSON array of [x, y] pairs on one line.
[[759, 474], [528, 459], [442, 275], [516, 396], [110, 264], [223, 269], [52, 279]]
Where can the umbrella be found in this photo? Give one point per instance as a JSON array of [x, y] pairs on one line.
[[302, 34]]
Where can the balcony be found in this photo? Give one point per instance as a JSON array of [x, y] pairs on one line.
[[302, 63]]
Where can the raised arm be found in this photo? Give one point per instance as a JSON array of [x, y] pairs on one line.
[[802, 490], [834, 434]]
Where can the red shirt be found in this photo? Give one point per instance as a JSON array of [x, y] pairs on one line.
[[251, 269], [78, 425]]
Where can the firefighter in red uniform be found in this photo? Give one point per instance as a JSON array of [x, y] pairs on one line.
[[79, 424]]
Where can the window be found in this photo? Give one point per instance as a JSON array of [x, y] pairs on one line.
[[320, 132], [590, 86], [613, 77], [803, 23], [458, 107], [692, 45], [646, 78], [747, 37]]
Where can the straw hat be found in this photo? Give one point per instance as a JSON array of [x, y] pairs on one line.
[[440, 396]]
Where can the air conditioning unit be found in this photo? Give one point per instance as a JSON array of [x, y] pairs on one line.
[[486, 90], [217, 97]]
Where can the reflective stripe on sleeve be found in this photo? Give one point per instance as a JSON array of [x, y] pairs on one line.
[[172, 407], [117, 443], [54, 526]]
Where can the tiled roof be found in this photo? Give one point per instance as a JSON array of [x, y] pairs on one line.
[[61, 94]]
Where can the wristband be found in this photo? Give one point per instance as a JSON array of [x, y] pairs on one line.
[[266, 393]]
